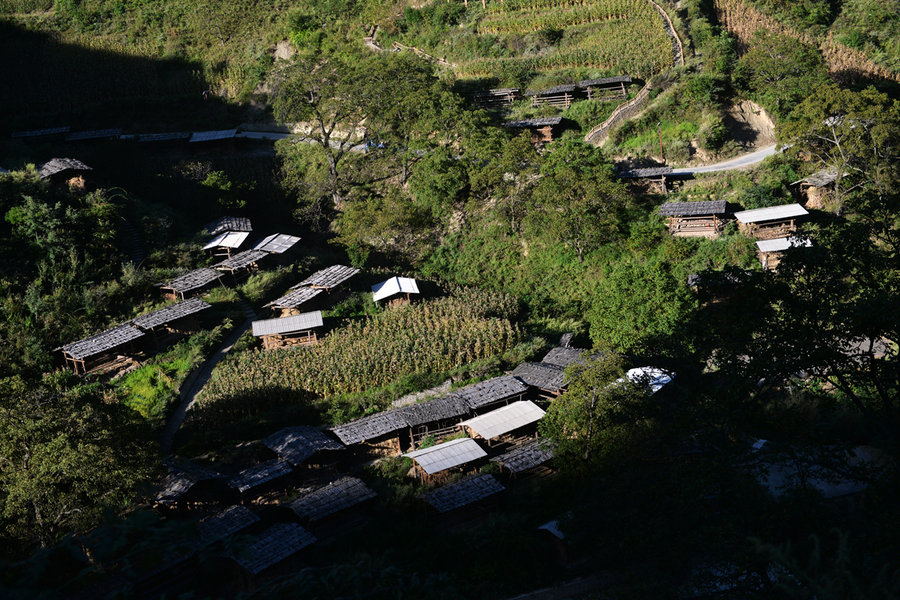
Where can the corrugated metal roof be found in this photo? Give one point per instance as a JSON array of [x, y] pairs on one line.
[[336, 496], [491, 390], [103, 342], [503, 420], [782, 244], [223, 524], [447, 455], [224, 224], [463, 492], [274, 545], [542, 376], [229, 239], [213, 136], [241, 260], [563, 357], [171, 313], [393, 286], [257, 475], [292, 324], [297, 444], [277, 243], [371, 427], [192, 280], [691, 209], [329, 277], [93, 134], [771, 213], [58, 165], [651, 376], [295, 298], [525, 456], [542, 122]]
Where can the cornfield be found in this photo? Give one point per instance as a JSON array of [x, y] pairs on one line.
[[431, 337], [560, 15]]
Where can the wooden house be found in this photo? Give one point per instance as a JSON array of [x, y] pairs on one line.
[[254, 481], [770, 223], [172, 320], [563, 357], [492, 393], [816, 186], [771, 251], [224, 524], [290, 303], [399, 289], [303, 446], [434, 418], [226, 243], [327, 279], [655, 175], [464, 492], [606, 88], [437, 463], [695, 219], [548, 379], [385, 432], [105, 351], [192, 282], [543, 130], [513, 419], [275, 544], [226, 224], [190, 484], [242, 263], [495, 98], [525, 458], [559, 96], [336, 496], [295, 330], [65, 171]]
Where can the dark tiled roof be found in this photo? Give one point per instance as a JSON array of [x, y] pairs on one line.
[[604, 81], [466, 491], [542, 122], [258, 475], [567, 88], [328, 278], [241, 260], [297, 444], [295, 298], [563, 357], [181, 479], [647, 172], [541, 375], [102, 342], [431, 411], [274, 545], [690, 209], [527, 456], [58, 165], [820, 178], [170, 313], [221, 525], [228, 224], [329, 499], [492, 390], [371, 427], [192, 280]]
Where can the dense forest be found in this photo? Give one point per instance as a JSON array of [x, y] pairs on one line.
[[762, 464]]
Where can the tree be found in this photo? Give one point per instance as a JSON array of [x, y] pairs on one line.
[[66, 456]]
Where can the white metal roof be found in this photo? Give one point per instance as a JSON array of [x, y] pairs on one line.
[[781, 244], [506, 419], [277, 243], [291, 324], [771, 213], [393, 286], [229, 239], [652, 376], [447, 455]]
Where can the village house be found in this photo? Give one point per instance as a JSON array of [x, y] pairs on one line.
[[695, 219], [464, 492], [770, 223], [395, 286], [437, 463], [771, 251], [192, 282], [65, 171], [504, 423], [543, 130]]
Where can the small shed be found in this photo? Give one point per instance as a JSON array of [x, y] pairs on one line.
[[273, 545], [815, 186], [102, 351], [226, 224], [381, 431], [491, 393], [545, 377], [434, 418], [336, 496], [192, 282], [277, 243], [329, 278], [563, 357], [560, 96], [189, 483], [771, 251], [173, 319], [770, 223], [501, 422], [297, 445], [69, 171], [295, 330], [495, 98], [433, 463], [242, 262], [289, 303], [695, 219], [606, 88], [463, 493], [224, 243], [395, 286], [258, 478], [224, 524], [543, 131], [525, 457]]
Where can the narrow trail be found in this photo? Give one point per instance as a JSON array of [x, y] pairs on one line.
[[198, 379]]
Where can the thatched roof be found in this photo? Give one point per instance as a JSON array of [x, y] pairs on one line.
[[274, 545], [371, 427], [490, 391], [297, 444], [329, 277], [543, 376], [331, 498], [102, 342], [692, 209], [192, 280], [295, 298], [170, 313], [59, 165], [463, 492], [258, 475], [526, 456]]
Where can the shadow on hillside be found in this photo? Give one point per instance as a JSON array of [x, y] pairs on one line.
[[49, 84]]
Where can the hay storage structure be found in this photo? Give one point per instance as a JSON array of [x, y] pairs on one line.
[[191, 283], [504, 423], [695, 219], [770, 223], [771, 251], [107, 350], [437, 463]]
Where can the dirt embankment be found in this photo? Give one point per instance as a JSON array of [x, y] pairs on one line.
[[750, 126]]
